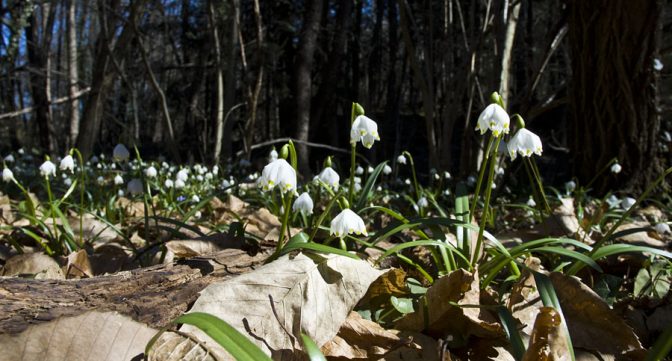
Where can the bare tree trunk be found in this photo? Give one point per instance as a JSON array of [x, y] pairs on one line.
[[614, 90], [72, 71], [253, 92], [219, 108], [507, 53], [304, 66], [230, 79]]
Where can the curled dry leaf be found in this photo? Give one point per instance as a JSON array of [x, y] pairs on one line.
[[548, 341], [447, 320], [361, 339], [276, 302], [259, 222], [392, 283], [640, 238], [524, 301], [94, 336], [93, 230], [78, 265], [38, 265], [176, 346]]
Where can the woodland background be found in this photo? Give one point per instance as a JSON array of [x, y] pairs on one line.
[[214, 81]]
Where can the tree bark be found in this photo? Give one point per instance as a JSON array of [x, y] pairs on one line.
[[72, 71], [219, 86], [507, 53], [304, 66], [614, 90]]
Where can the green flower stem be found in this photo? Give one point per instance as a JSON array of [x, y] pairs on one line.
[[598, 174], [579, 265], [82, 180], [286, 203], [51, 206], [334, 199], [416, 186], [481, 172], [351, 182], [532, 165], [486, 206]]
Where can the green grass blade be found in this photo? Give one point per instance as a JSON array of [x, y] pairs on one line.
[[368, 186], [614, 249], [314, 353], [419, 243], [662, 347], [572, 254], [550, 299], [511, 328]]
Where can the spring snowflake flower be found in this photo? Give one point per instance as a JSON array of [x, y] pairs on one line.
[[422, 202], [67, 163], [67, 182], [364, 129], [570, 186], [494, 118], [627, 202], [118, 180], [524, 143], [401, 159], [613, 201], [387, 169], [531, 202], [616, 168], [278, 173], [9, 158], [370, 169], [150, 172], [662, 228], [100, 180], [446, 175], [182, 175], [7, 175], [347, 222], [657, 64], [120, 153], [303, 204], [359, 170], [329, 177], [48, 168], [195, 198], [168, 183], [273, 155], [179, 183], [134, 187]]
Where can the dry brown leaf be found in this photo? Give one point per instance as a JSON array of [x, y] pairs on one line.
[[641, 238], [548, 341], [78, 265], [593, 325], [109, 258], [446, 320], [392, 283], [360, 339], [563, 222], [259, 222], [172, 346], [131, 208], [95, 336], [204, 245], [38, 264], [524, 301], [94, 231], [275, 303]]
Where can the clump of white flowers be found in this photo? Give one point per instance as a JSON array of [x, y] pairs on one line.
[[347, 222]]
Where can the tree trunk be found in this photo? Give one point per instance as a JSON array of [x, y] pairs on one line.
[[219, 96], [304, 66], [614, 90], [507, 53], [72, 71]]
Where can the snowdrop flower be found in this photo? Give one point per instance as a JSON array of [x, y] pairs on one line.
[[662, 228], [179, 183], [199, 178], [215, 169], [627, 202], [612, 201], [134, 187], [9, 158], [471, 180], [195, 198], [100, 180], [182, 175], [67, 182], [370, 169], [329, 177], [446, 175], [387, 169], [422, 202], [150, 172], [120, 193], [570, 187], [278, 173], [347, 222], [48, 168], [120, 153], [7, 175], [657, 64], [303, 204], [616, 168], [494, 118], [364, 129], [407, 181], [524, 143], [401, 159], [168, 183], [67, 163], [273, 155], [118, 180], [531, 202], [198, 214], [359, 170], [209, 176]]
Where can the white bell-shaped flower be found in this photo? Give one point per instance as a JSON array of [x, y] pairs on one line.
[[627, 202], [9, 158], [359, 170], [616, 168], [273, 155], [662, 228], [169, 184], [118, 180], [182, 175], [387, 169], [48, 168], [524, 143], [347, 222], [150, 172], [67, 163], [422, 202], [134, 187], [364, 129], [329, 177], [7, 175], [179, 183], [494, 118], [120, 153], [278, 173], [303, 204], [401, 159]]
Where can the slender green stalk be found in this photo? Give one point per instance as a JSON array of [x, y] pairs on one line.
[[51, 207], [416, 186], [486, 205], [353, 157], [82, 179], [598, 174], [286, 203], [537, 177], [481, 172]]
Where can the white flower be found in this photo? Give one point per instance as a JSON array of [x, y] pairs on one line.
[[387, 169], [357, 187], [134, 187], [225, 184], [657, 64], [494, 118], [531, 202], [209, 176], [407, 181], [67, 182], [198, 214], [195, 198], [168, 183], [120, 153], [616, 168], [273, 155], [471, 180], [570, 186], [182, 175], [120, 193], [150, 172], [199, 178], [364, 129], [401, 159], [118, 180], [67, 163], [357, 180], [627, 202], [278, 173], [662, 228], [7, 175], [179, 183], [329, 177], [359, 170], [524, 143], [9, 158], [422, 202], [48, 168], [303, 204], [370, 169], [613, 201], [347, 222], [100, 180], [446, 175]]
